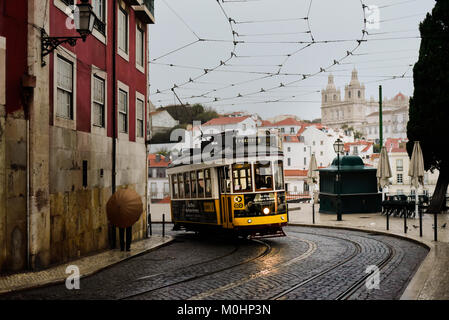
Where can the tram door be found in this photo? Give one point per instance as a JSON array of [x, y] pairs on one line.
[[225, 197]]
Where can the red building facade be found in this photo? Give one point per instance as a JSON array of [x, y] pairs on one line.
[[60, 110]]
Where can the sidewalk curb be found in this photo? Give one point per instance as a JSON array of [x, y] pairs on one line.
[[168, 240], [421, 275]]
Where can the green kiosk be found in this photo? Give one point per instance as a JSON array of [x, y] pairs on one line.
[[357, 188]]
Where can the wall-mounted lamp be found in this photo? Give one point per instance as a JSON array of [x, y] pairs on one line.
[[84, 18]]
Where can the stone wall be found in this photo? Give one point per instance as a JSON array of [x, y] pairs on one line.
[[78, 214]]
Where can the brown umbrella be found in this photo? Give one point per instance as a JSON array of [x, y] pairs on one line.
[[124, 208]]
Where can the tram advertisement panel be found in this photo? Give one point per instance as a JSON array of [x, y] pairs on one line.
[[194, 211]]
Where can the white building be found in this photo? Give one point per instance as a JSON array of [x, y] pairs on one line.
[[244, 125], [355, 111], [161, 121], [361, 148], [159, 188], [299, 147], [399, 163]]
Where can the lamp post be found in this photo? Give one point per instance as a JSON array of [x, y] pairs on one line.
[[84, 18], [338, 148]]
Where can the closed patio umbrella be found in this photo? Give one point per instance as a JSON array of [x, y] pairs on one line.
[[124, 208], [312, 178], [383, 174], [416, 173]]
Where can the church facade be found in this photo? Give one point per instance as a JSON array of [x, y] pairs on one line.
[[354, 110]]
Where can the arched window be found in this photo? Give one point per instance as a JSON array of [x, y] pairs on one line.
[[325, 98], [335, 97], [349, 94], [359, 94]]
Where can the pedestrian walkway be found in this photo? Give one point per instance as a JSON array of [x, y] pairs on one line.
[[431, 280], [87, 266]]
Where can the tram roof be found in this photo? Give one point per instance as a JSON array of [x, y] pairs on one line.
[[227, 155]]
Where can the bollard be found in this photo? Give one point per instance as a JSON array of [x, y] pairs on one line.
[[405, 222], [149, 224], [313, 211], [435, 226], [388, 221], [163, 225], [420, 223]]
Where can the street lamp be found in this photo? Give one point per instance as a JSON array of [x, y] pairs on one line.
[[338, 148], [84, 18]]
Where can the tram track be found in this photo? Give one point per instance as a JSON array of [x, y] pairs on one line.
[[358, 250], [360, 283], [310, 250], [353, 288], [267, 251]]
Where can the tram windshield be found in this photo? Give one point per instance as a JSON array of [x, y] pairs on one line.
[[278, 175], [263, 175], [241, 174]]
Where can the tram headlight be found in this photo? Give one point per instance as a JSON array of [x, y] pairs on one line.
[[249, 220], [266, 210], [282, 218]]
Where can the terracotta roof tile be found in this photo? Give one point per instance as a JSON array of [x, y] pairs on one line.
[[225, 120], [295, 173], [153, 163]]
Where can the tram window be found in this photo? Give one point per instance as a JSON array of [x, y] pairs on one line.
[[193, 182], [263, 175], [174, 183], [187, 184], [241, 174], [181, 185], [208, 183], [200, 184], [278, 175], [225, 180]]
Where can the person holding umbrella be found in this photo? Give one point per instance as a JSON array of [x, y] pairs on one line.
[[124, 208]]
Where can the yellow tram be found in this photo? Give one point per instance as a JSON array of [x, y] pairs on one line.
[[236, 187]]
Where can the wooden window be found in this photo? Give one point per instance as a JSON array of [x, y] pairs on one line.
[[187, 184], [201, 185], [140, 47], [99, 8], [139, 118], [64, 103], [263, 175], [174, 181], [193, 184], [98, 102], [279, 175], [181, 185], [123, 30], [123, 111], [207, 183]]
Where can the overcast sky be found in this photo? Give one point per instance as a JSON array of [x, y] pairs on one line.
[[268, 34]]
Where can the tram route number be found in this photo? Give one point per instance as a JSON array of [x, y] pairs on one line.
[[239, 202]]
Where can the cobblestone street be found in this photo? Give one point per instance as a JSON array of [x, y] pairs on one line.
[[310, 263]]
